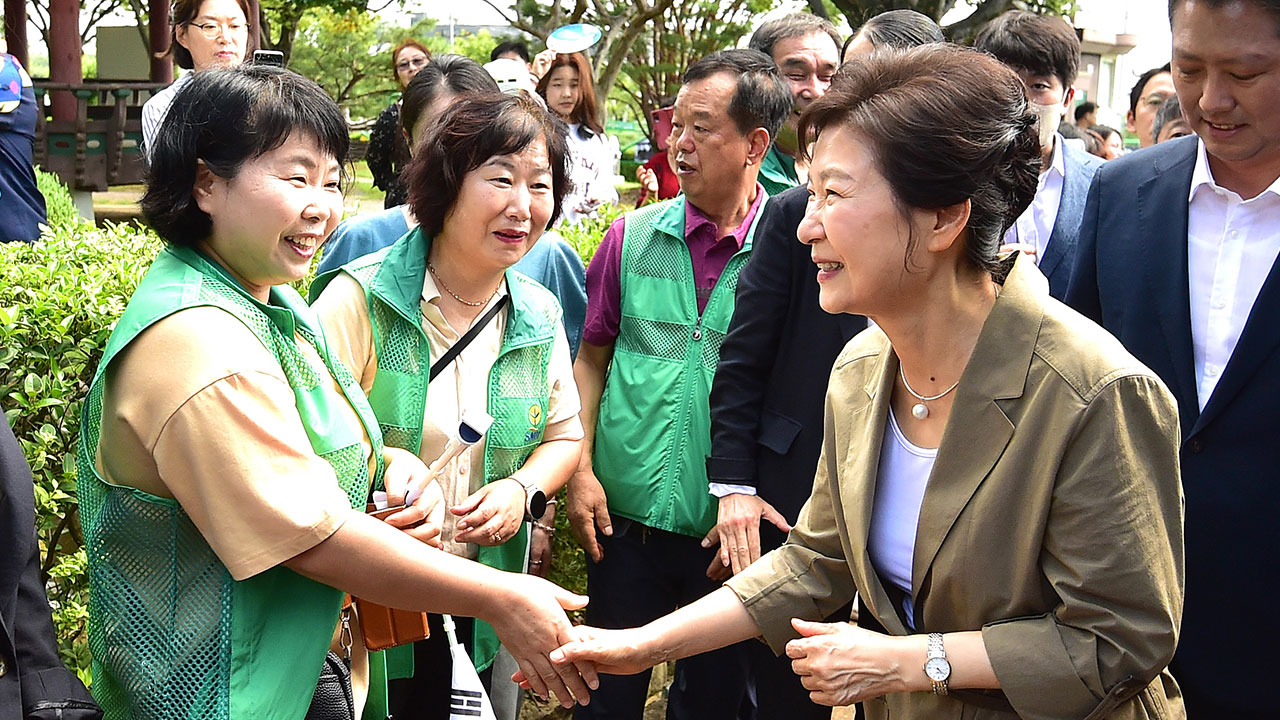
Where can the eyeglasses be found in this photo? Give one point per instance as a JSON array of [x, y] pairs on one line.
[[213, 29], [413, 64]]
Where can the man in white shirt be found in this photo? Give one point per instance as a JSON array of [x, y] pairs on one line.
[[1045, 53], [1178, 259]]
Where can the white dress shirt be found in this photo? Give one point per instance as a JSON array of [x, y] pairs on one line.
[[1035, 225], [1232, 244]]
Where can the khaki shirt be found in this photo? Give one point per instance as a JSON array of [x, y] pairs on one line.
[[463, 385], [197, 410], [1052, 520]]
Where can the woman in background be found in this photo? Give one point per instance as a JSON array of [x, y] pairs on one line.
[[570, 93], [388, 152], [205, 34]]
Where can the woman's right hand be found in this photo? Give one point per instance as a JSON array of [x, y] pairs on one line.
[[531, 623], [406, 474], [542, 62], [648, 179]]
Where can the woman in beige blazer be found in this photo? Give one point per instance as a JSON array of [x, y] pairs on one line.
[[999, 478]]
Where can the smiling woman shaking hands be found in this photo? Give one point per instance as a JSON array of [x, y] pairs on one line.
[[998, 481], [226, 456], [484, 184]]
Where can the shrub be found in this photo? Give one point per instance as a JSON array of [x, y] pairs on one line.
[[61, 209], [58, 303]]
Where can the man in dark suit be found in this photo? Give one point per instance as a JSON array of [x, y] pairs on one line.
[[766, 418], [1178, 259], [34, 684], [1045, 53]]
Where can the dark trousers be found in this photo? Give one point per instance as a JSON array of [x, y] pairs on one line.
[[645, 574]]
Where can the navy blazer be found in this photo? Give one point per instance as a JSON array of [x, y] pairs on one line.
[[767, 396], [33, 681], [1131, 276], [1078, 168]]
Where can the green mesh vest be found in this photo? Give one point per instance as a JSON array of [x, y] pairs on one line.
[[172, 634], [778, 171], [654, 431], [517, 398]]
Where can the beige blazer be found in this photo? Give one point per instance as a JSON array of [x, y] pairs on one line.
[[1052, 520]]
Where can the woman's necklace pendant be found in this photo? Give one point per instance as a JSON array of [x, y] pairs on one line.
[[919, 411]]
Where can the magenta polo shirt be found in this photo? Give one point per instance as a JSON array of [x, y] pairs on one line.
[[708, 249]]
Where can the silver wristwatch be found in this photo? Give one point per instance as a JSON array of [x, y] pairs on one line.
[[535, 500], [936, 666]]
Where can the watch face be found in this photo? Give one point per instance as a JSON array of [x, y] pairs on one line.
[[938, 669], [537, 503]]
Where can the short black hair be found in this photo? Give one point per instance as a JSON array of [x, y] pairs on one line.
[[1135, 95], [761, 99], [789, 26], [1169, 111], [226, 117], [1105, 131], [1085, 108], [898, 29], [469, 133], [518, 47], [457, 74], [1038, 44]]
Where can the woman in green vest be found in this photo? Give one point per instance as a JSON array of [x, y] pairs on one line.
[[225, 457], [487, 180]]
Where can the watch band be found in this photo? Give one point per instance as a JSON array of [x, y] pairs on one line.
[[937, 652], [535, 500]]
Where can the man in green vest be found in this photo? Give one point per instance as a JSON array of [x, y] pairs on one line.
[[806, 49], [660, 294]]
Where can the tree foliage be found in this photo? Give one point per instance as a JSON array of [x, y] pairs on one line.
[[280, 20], [687, 32], [623, 22], [349, 54], [858, 11]]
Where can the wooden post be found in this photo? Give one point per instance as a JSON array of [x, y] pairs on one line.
[[255, 30], [64, 54], [15, 30], [158, 33]]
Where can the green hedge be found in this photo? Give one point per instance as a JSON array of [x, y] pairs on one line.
[[59, 301]]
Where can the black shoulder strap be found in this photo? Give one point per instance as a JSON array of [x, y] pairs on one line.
[[466, 339]]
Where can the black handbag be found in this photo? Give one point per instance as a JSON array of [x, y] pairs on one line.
[[333, 698]]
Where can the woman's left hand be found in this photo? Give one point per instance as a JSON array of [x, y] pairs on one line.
[[405, 473], [841, 663], [491, 515]]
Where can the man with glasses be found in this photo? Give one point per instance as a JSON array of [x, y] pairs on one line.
[[205, 34]]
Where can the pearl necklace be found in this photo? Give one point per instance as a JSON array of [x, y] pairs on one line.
[[455, 295], [919, 411]]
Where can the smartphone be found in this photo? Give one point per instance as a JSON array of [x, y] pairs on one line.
[[274, 58]]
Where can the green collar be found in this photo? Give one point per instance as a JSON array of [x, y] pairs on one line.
[[399, 279]]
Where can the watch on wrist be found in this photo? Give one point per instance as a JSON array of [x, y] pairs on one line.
[[535, 500], [936, 667]]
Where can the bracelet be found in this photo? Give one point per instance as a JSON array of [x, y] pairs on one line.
[[544, 527]]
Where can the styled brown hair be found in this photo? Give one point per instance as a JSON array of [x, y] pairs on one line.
[[406, 43], [945, 124], [586, 112], [469, 132], [184, 12]]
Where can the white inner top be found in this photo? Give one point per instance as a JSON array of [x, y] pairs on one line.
[[901, 480]]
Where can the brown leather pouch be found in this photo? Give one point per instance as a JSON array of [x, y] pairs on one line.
[[382, 627]]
